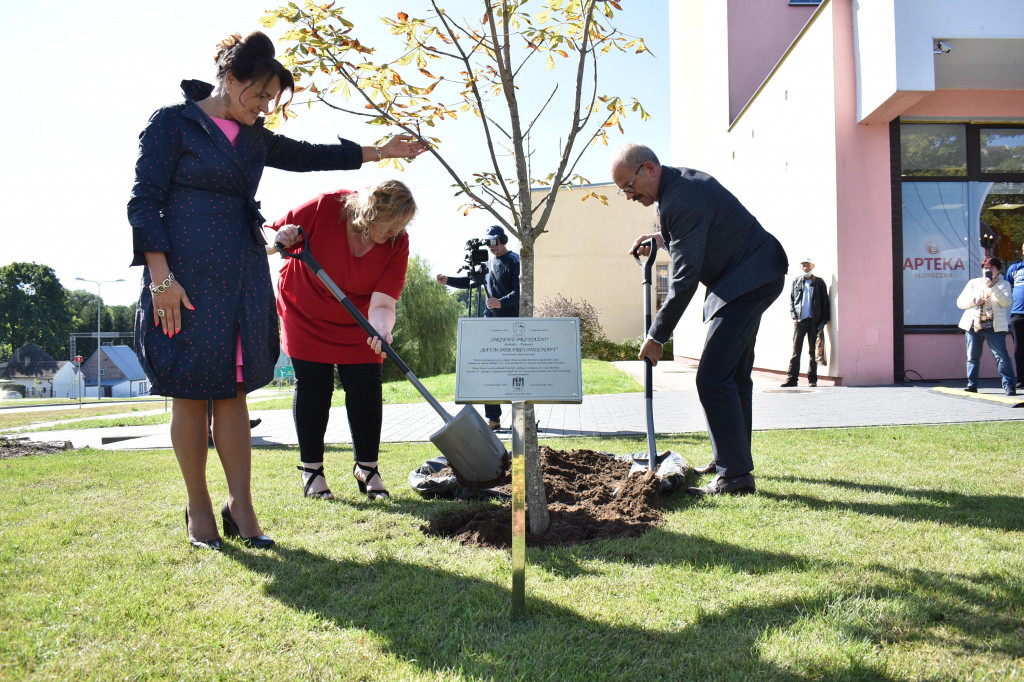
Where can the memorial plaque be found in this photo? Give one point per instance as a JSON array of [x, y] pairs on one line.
[[506, 359]]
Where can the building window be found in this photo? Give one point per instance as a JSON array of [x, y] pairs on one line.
[[661, 280], [962, 200], [933, 150], [1002, 150]]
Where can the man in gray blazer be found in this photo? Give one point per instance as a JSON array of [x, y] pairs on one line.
[[809, 308], [715, 241]]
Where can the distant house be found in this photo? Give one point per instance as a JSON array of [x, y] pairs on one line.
[[31, 372], [121, 374], [68, 382]]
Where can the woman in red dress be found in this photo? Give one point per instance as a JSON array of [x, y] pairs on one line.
[[360, 239]]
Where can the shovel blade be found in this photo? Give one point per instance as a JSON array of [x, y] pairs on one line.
[[471, 447]]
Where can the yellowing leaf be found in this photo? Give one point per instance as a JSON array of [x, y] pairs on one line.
[[551, 62], [542, 17], [272, 121], [269, 19], [402, 16]]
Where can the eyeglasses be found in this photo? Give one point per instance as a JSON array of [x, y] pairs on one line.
[[628, 189]]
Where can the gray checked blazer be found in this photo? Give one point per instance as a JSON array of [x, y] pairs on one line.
[[713, 240]]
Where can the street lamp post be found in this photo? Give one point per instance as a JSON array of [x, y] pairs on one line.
[[99, 340]]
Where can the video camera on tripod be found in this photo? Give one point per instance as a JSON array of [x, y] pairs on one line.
[[475, 268], [477, 256]]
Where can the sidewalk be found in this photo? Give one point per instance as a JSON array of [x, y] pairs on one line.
[[676, 410]]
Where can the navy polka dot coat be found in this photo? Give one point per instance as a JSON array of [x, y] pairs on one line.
[[194, 199]]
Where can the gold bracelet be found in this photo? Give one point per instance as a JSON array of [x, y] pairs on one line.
[[379, 157], [157, 289]]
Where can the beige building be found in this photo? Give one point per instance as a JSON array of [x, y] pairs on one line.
[[584, 255]]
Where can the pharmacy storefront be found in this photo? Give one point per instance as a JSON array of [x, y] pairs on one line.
[[961, 190]]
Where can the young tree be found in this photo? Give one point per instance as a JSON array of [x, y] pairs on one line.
[[490, 70]]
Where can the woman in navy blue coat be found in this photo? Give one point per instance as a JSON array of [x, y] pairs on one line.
[[206, 326]]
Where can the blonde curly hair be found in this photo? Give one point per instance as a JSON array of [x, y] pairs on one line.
[[387, 202]]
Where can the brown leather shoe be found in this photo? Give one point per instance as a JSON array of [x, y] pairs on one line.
[[494, 424], [735, 485], [709, 468]]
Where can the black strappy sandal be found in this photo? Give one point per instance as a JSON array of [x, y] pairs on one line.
[[320, 495], [370, 473]]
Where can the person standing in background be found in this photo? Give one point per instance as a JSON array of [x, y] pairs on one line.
[[986, 304], [1015, 276], [809, 308], [502, 286]]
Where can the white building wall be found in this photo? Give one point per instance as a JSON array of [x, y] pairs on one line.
[[779, 159], [68, 383], [129, 389], [894, 40]]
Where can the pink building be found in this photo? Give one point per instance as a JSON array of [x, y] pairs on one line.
[[883, 138]]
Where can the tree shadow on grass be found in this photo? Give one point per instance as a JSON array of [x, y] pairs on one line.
[[442, 622], [970, 614], [1001, 512]]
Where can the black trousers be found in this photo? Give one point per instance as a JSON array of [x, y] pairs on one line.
[[364, 405], [724, 384], [1017, 331], [803, 329]]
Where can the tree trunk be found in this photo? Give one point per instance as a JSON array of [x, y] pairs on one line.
[[536, 497]]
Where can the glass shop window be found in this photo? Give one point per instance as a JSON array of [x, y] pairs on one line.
[[933, 150]]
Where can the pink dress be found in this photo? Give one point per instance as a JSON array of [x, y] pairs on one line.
[[230, 130]]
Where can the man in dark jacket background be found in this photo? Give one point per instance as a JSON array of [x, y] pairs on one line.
[[809, 308], [713, 240]]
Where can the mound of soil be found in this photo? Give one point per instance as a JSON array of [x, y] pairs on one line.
[[23, 447], [590, 497]]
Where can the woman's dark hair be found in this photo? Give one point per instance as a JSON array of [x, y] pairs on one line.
[[252, 59], [992, 261]]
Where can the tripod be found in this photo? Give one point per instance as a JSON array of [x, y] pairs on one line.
[[476, 286]]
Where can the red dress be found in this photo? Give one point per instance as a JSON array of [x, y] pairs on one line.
[[316, 327]]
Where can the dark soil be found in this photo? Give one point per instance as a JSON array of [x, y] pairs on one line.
[[590, 497], [23, 447]]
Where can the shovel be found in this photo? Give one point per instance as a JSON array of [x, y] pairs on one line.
[[469, 445], [648, 266]]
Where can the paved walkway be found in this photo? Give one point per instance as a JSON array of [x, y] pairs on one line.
[[676, 410]]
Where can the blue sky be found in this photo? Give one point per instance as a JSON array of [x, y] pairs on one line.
[[96, 72]]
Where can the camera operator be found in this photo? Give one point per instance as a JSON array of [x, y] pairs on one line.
[[501, 283]]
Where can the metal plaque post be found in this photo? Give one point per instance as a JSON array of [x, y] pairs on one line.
[[522, 361], [518, 508]]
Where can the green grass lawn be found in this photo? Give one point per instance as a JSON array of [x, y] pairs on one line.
[[881, 554]]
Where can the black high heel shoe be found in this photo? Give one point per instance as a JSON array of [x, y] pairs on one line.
[[216, 544], [231, 531], [370, 473], [324, 494]]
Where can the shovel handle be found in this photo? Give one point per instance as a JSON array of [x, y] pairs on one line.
[[648, 264]]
